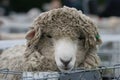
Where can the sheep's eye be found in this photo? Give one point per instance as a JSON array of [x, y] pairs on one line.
[[49, 36], [42, 36], [81, 38]]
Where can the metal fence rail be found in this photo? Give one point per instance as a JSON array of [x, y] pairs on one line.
[[101, 73]]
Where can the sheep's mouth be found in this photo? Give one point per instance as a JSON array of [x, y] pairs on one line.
[[65, 69]]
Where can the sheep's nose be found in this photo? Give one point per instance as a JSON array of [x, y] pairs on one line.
[[65, 62]]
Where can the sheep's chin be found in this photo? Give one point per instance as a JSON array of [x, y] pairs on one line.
[[64, 70]]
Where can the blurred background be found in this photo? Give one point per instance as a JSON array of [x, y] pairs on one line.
[[16, 17]]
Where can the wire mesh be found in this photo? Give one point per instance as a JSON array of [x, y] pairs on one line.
[[109, 53], [101, 73]]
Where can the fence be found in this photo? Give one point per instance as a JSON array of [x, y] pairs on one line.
[[101, 73]]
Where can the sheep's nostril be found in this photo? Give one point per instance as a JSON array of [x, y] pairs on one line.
[[65, 62]]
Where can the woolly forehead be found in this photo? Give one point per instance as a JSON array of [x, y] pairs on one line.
[[66, 22], [60, 22]]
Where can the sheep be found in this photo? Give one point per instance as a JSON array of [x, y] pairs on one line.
[[58, 40]]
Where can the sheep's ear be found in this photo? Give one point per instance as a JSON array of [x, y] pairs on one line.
[[99, 41], [30, 34]]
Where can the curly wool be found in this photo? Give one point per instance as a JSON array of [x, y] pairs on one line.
[[62, 22], [63, 19], [66, 17]]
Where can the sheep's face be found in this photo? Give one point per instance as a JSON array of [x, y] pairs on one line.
[[65, 53], [66, 46], [65, 30], [66, 43]]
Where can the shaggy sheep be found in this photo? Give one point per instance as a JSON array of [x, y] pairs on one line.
[[60, 39]]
